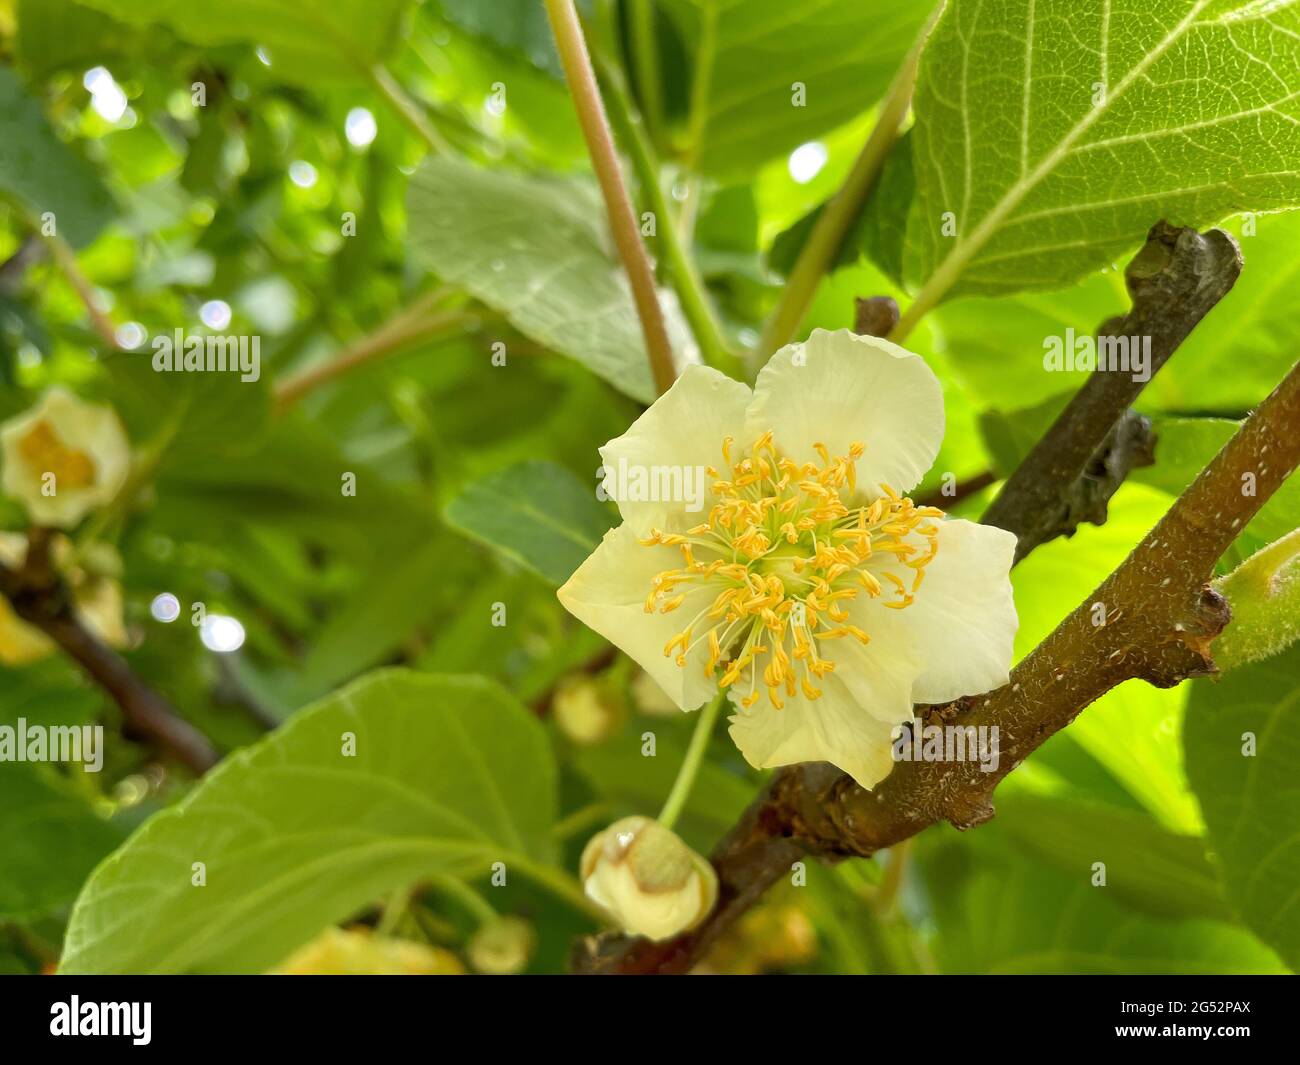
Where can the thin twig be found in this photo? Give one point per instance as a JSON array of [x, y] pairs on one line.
[[600, 145], [66, 260], [412, 325], [681, 270]]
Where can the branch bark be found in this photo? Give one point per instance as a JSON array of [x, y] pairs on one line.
[[40, 598]]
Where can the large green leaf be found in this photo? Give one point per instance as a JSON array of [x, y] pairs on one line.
[[1250, 793], [749, 54], [1152, 869], [450, 775], [54, 35], [1001, 912], [1056, 132], [308, 43], [997, 345], [393, 598], [520, 26], [42, 173], [536, 513], [536, 249], [52, 840], [199, 415]]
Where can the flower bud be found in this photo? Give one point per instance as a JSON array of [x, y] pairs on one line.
[[585, 710], [502, 947], [647, 878], [63, 458]]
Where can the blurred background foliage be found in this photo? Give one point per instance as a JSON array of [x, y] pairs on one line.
[[185, 216]]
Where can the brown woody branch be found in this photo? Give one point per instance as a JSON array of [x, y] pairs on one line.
[[1070, 475], [42, 599], [1159, 613]]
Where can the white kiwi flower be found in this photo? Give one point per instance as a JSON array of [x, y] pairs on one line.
[[63, 458], [807, 583]]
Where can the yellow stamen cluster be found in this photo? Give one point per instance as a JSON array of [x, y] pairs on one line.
[[786, 552], [44, 450]]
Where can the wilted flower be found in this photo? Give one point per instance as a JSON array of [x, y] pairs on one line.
[[502, 947], [647, 878], [808, 584], [97, 600], [63, 458]]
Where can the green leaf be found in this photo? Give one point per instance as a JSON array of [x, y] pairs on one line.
[[1231, 360], [1242, 745], [1152, 869], [536, 248], [537, 513], [199, 414], [880, 229], [55, 35], [997, 345], [307, 43], [42, 173], [1010, 436], [749, 56], [519, 26], [450, 775], [53, 839], [1000, 912], [392, 599], [1054, 133]]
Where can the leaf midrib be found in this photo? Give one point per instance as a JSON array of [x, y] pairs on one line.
[[964, 251]]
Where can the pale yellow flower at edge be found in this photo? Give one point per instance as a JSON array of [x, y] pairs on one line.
[[81, 444], [808, 584]]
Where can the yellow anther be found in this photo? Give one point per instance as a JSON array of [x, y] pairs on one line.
[[767, 614]]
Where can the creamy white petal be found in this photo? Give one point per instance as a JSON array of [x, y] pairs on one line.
[[962, 624], [683, 431], [607, 594], [832, 729], [838, 388]]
